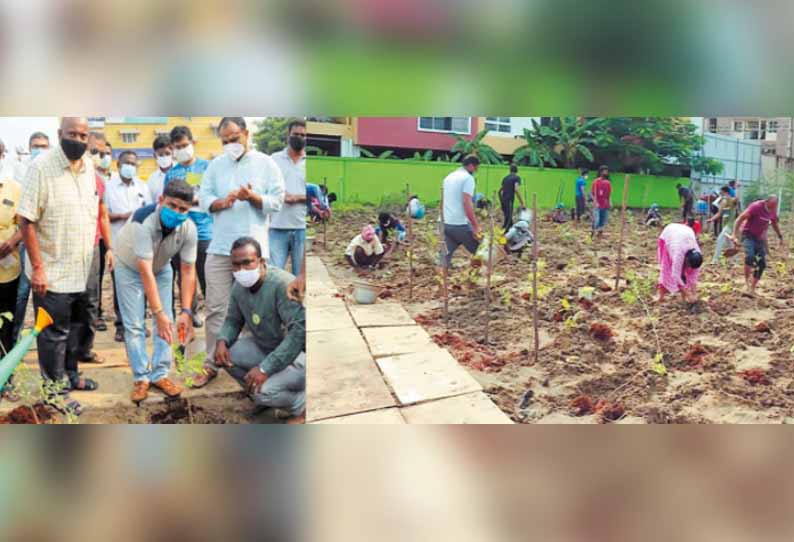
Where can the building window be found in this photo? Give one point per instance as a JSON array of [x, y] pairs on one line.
[[455, 125], [772, 127], [738, 126], [498, 124], [713, 125], [129, 137]]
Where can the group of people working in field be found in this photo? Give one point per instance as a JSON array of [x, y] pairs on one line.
[[679, 255], [229, 224]]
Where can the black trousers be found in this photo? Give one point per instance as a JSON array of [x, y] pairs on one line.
[[507, 212], [58, 343], [103, 250], [86, 343], [201, 260], [8, 303]]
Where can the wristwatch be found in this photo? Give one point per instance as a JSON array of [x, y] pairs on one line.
[[261, 371], [186, 311]]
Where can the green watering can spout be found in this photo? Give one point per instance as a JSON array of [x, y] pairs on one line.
[[9, 363]]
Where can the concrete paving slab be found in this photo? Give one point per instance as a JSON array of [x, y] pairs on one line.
[[336, 347], [381, 314], [328, 317], [322, 298], [472, 408], [424, 376], [387, 416], [396, 340]]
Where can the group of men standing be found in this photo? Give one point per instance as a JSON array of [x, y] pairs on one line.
[[225, 225]]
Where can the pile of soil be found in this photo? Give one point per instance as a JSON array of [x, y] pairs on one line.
[[607, 348], [25, 415]]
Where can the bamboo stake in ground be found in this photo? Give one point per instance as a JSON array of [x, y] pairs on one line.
[[410, 243], [488, 272], [444, 270], [535, 273], [325, 220], [622, 230]]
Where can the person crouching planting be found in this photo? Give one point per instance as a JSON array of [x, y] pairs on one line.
[[680, 259], [144, 250]]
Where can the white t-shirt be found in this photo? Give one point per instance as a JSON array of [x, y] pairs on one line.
[[371, 247], [155, 184], [456, 184]]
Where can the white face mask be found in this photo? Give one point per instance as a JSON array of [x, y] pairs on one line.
[[234, 150], [106, 161], [184, 155], [246, 277], [165, 161], [128, 171]]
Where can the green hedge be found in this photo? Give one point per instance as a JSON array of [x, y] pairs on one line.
[[366, 180]]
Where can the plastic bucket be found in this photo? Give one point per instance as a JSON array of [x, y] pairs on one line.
[[309, 243], [365, 293]]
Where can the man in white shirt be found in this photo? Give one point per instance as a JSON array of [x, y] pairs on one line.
[[460, 223], [288, 226], [163, 155], [124, 194]]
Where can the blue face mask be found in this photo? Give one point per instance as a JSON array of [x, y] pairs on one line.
[[34, 152], [170, 218]]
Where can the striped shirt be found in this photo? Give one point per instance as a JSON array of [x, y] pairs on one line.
[[64, 208]]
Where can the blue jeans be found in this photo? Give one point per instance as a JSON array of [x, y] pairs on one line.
[[133, 313], [600, 218], [284, 242], [754, 253], [23, 294]]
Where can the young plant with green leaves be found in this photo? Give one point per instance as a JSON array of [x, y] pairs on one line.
[[188, 369], [32, 390], [641, 291]]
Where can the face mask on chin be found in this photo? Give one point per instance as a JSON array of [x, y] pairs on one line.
[[247, 277]]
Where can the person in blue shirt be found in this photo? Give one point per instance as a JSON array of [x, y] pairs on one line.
[[581, 182], [190, 168]]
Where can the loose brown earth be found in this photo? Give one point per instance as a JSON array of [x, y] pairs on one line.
[[727, 361]]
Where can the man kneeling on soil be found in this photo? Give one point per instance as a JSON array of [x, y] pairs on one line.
[[271, 363], [144, 249]]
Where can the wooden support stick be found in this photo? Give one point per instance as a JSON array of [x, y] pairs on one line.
[[444, 270], [535, 273], [410, 243], [489, 272], [622, 231], [325, 221]]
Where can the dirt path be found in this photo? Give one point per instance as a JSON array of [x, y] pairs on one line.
[[729, 362]]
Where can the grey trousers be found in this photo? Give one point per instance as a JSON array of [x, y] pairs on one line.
[[454, 236], [218, 274], [285, 390]]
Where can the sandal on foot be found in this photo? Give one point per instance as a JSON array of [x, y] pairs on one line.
[[68, 406], [205, 378], [88, 385]]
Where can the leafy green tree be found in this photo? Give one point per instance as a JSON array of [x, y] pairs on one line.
[[475, 146], [271, 134], [571, 137], [535, 151], [651, 143]]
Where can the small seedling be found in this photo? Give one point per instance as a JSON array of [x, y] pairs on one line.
[[188, 369]]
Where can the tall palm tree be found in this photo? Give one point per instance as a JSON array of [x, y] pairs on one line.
[[475, 146]]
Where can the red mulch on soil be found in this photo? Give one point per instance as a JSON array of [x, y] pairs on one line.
[[602, 332]]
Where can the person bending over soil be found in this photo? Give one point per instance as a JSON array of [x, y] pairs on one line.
[[679, 262], [365, 250]]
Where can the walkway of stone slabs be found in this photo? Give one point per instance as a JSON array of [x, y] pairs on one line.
[[372, 364]]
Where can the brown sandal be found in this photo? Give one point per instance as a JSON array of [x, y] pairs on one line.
[[205, 378]]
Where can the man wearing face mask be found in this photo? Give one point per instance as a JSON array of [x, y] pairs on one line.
[[288, 226], [124, 194], [38, 143], [100, 154], [163, 155], [190, 168], [145, 248], [240, 189], [58, 218], [270, 364]]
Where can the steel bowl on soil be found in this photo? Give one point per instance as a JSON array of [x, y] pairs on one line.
[[365, 293]]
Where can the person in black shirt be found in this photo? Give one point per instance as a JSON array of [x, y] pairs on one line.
[[507, 195], [687, 201]]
